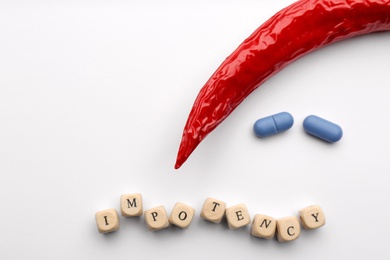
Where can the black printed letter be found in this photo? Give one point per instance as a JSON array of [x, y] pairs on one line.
[[183, 213], [215, 205], [265, 222], [154, 215], [131, 204], [288, 231], [315, 216], [239, 215]]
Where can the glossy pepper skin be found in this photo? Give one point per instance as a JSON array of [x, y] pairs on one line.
[[298, 29]]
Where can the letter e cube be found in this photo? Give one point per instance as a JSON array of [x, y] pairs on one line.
[[237, 216]]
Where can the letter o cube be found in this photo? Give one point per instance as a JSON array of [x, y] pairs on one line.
[[181, 215]]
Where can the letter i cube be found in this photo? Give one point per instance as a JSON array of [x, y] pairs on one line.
[[107, 220]]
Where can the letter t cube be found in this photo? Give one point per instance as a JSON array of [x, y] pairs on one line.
[[213, 210]]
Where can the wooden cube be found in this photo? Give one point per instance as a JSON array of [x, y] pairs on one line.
[[156, 218], [181, 215], [213, 210], [312, 217], [237, 216], [131, 205], [263, 226], [107, 220], [288, 229]]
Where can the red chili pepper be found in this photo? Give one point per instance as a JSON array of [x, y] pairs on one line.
[[300, 28]]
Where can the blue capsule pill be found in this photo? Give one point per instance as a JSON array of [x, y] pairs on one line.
[[273, 124], [323, 129]]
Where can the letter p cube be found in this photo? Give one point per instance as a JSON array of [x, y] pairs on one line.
[[156, 218]]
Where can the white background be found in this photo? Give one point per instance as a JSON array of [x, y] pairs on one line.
[[94, 96]]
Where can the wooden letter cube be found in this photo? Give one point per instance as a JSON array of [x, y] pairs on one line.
[[237, 216], [131, 205], [107, 220], [288, 229], [182, 215], [312, 217], [263, 226], [213, 210], [156, 218]]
